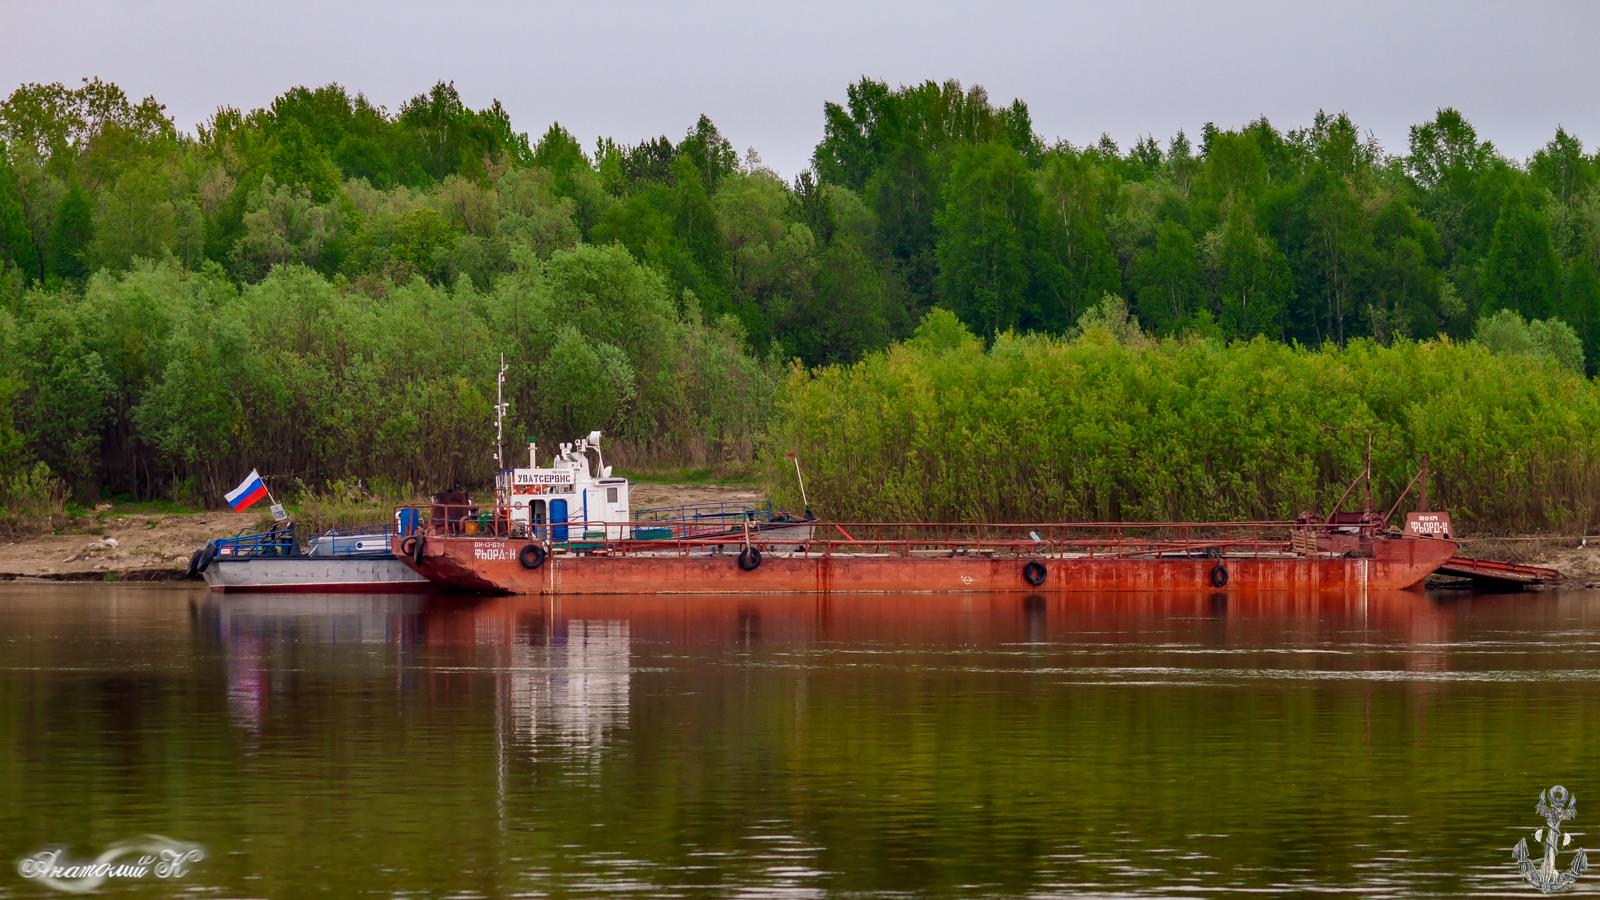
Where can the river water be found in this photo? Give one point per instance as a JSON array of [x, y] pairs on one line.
[[953, 745]]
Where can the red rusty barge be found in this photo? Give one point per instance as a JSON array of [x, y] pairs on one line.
[[516, 548], [1255, 556]]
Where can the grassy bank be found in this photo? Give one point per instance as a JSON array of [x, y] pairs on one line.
[[1109, 426], [342, 504], [32, 500]]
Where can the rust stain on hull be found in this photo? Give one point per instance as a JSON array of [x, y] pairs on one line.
[[492, 565]]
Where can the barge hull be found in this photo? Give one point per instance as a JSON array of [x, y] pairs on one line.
[[314, 574], [492, 565]]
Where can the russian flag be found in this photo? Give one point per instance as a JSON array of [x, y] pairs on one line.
[[248, 492]]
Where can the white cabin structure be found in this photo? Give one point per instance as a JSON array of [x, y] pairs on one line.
[[559, 502]]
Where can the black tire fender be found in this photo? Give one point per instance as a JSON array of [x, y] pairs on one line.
[[408, 546], [749, 559], [531, 556], [416, 549], [194, 565], [207, 553], [1219, 575], [1034, 572]]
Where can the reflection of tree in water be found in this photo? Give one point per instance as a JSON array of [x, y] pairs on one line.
[[572, 691]]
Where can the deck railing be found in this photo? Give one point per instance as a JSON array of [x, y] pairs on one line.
[[364, 540], [778, 534], [722, 513], [251, 545], [367, 540], [668, 522]]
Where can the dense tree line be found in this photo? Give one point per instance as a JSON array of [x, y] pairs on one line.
[[162, 380], [322, 207], [1110, 424], [1311, 235]]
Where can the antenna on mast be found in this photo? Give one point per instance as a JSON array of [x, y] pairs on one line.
[[500, 406]]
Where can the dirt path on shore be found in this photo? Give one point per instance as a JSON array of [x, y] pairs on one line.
[[154, 546], [117, 546]]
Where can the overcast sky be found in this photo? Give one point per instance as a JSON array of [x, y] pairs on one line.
[[763, 71]]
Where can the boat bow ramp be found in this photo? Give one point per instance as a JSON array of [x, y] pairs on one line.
[[1492, 573]]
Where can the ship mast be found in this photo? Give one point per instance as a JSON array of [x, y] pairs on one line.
[[502, 490], [500, 417]]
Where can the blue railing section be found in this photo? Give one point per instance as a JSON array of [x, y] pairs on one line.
[[656, 523], [278, 542], [367, 540]]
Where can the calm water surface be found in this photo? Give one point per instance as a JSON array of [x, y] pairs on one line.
[[437, 746]]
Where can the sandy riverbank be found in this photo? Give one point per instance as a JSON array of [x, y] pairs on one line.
[[1577, 559], [158, 546]]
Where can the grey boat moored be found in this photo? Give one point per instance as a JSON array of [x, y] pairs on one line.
[[357, 560]]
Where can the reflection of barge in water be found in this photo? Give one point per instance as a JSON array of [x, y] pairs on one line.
[[468, 630], [520, 550]]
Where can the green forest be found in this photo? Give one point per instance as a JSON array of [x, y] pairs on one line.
[[323, 288], [1108, 424]]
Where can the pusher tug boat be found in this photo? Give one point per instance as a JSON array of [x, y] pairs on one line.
[[573, 509], [356, 559], [531, 542]]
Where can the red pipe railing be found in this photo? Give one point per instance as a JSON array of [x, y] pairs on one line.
[[1109, 539]]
